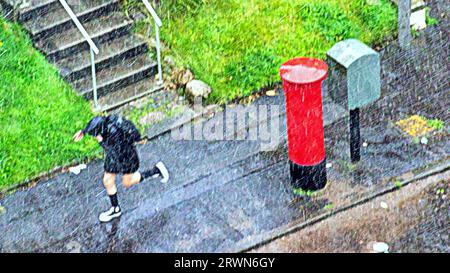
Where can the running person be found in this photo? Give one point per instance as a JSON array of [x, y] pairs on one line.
[[118, 136]]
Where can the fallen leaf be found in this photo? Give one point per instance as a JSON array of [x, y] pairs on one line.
[[77, 169], [271, 93], [415, 126], [380, 247], [74, 247], [424, 141]]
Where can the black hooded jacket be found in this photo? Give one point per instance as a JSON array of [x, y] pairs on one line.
[[118, 134]]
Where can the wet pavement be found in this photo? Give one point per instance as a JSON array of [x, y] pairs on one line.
[[227, 194]]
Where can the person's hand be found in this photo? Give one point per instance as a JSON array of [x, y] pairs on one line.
[[142, 141], [78, 136]]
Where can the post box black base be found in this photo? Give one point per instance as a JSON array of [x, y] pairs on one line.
[[309, 178], [355, 136]]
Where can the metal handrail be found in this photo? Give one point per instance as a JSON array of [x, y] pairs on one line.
[[153, 13], [93, 47], [158, 24], [79, 26]]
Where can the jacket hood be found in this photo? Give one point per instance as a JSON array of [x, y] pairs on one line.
[[96, 126]]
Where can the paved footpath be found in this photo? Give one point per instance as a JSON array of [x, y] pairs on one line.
[[230, 195]]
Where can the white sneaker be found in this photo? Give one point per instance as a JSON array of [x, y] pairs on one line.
[[110, 214], [164, 172]]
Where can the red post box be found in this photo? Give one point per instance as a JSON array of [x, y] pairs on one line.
[[302, 83]]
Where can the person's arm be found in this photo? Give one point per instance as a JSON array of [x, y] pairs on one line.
[[78, 136]]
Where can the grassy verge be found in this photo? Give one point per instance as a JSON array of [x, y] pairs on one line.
[[237, 46], [39, 112]]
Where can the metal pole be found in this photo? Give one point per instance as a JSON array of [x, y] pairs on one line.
[[158, 54], [355, 136], [404, 23], [94, 80]]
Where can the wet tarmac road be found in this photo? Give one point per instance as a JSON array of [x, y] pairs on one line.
[[412, 219]]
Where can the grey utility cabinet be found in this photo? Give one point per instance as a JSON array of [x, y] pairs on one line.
[[354, 76]]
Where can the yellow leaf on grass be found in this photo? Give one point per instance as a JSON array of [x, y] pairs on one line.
[[415, 126]]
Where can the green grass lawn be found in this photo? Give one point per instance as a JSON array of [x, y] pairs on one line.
[[237, 46], [39, 112]]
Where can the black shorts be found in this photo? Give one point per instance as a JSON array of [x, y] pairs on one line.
[[123, 161]]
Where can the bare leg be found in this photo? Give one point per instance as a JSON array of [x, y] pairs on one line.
[[129, 180], [109, 182]]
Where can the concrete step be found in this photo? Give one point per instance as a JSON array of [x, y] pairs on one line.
[[58, 20], [125, 73], [36, 8], [7, 10], [104, 28], [111, 53], [124, 69], [144, 87]]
